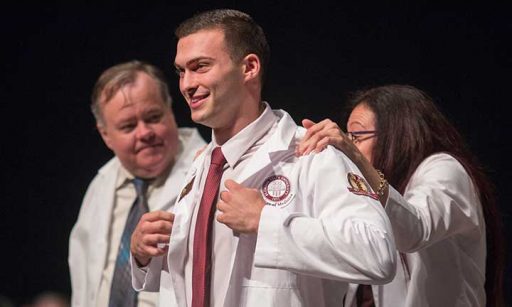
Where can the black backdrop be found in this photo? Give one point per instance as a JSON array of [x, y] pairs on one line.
[[53, 53]]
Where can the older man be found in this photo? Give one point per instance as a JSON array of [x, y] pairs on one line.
[[132, 107]]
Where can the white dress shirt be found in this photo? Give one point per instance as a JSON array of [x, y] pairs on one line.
[[123, 201]]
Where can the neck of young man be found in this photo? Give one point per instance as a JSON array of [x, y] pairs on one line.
[[223, 134]]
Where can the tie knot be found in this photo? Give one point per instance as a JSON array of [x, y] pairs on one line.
[[218, 157], [140, 186]]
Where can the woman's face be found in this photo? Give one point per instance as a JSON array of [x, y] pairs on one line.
[[361, 126]]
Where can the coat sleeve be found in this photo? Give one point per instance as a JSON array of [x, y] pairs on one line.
[[147, 278], [440, 201], [78, 244], [336, 235]]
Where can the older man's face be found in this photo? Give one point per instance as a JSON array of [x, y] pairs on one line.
[[140, 128]]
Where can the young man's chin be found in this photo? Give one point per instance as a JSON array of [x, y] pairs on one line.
[[198, 119]]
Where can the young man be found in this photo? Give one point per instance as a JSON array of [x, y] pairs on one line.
[[287, 231], [132, 107]]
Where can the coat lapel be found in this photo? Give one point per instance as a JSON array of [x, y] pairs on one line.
[[184, 209], [171, 191], [278, 144], [191, 142]]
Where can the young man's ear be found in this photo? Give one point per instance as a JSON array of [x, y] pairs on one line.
[[251, 66]]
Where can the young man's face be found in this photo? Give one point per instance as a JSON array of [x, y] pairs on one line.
[[210, 80], [140, 128]]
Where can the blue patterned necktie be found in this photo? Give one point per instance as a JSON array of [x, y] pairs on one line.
[[121, 291]]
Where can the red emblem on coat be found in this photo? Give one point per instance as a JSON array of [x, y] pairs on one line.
[[359, 186], [276, 188]]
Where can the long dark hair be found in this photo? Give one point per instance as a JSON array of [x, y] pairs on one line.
[[411, 128]]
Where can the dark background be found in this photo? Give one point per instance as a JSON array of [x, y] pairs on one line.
[[52, 54]]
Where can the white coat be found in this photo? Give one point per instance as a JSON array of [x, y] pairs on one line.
[[88, 242], [309, 245], [439, 224]]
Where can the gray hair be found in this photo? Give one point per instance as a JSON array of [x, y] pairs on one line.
[[117, 76]]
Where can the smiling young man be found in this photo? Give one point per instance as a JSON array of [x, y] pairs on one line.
[[255, 225], [132, 107]]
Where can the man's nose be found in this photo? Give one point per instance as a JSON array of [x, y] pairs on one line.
[[144, 131], [188, 83]]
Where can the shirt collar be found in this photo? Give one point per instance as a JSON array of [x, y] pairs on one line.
[[236, 146], [124, 177]]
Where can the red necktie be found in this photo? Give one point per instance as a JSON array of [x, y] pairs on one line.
[[201, 267]]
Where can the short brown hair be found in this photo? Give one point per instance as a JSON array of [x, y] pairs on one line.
[[115, 77], [242, 34]]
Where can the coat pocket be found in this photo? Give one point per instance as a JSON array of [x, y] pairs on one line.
[[256, 293]]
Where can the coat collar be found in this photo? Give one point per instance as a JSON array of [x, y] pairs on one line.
[[281, 140]]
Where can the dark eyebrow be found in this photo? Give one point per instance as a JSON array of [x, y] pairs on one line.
[[193, 61]]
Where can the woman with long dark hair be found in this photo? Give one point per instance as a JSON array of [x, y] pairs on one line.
[[439, 201]]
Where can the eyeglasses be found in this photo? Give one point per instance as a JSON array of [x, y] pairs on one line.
[[357, 136]]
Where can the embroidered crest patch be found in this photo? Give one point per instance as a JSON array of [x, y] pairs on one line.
[[276, 190], [187, 189], [359, 186]]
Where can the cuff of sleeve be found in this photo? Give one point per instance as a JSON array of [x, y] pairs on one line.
[[138, 274], [142, 275], [393, 200], [394, 204], [267, 245]]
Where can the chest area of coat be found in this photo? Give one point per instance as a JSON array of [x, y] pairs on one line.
[[278, 183]]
